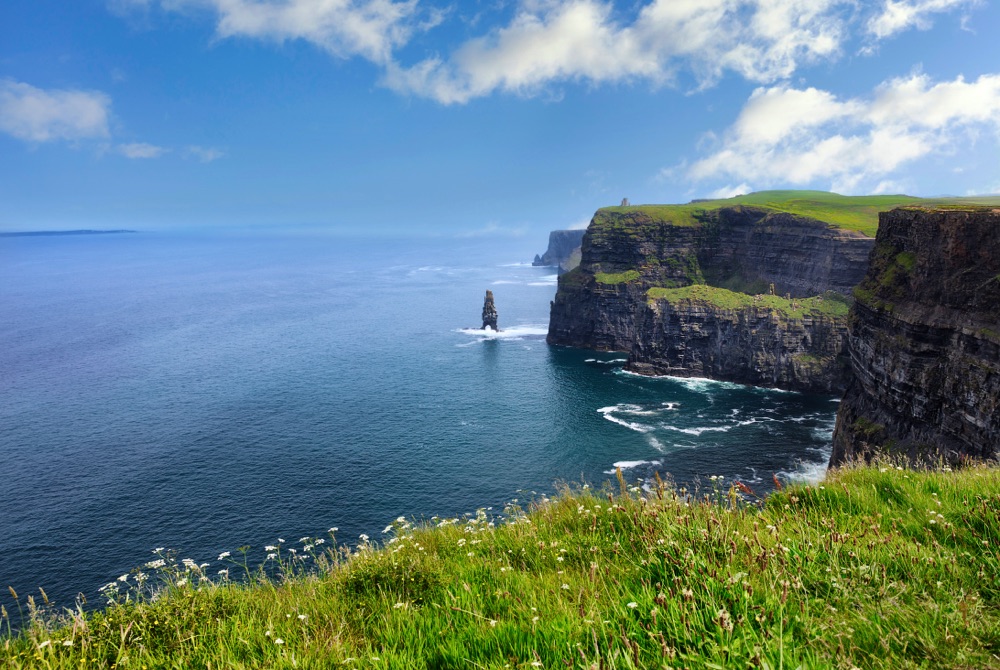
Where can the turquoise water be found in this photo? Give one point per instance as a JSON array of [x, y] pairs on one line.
[[205, 392]]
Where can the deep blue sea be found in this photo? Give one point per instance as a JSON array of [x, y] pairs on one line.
[[202, 392]]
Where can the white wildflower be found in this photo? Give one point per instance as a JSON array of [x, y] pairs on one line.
[[278, 640], [632, 605], [223, 555]]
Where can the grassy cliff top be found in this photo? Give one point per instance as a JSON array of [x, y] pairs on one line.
[[874, 567], [858, 213], [832, 305]]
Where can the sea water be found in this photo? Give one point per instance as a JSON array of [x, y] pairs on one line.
[[205, 392]]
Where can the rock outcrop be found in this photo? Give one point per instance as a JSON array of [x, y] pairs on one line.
[[563, 251], [620, 297], [490, 315], [925, 340], [797, 344]]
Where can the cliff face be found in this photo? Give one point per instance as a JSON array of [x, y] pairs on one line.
[[757, 344], [607, 302], [925, 340], [563, 251]]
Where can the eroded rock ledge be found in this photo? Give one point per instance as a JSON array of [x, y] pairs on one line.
[[925, 340]]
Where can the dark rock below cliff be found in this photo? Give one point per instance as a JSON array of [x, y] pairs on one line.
[[925, 341]]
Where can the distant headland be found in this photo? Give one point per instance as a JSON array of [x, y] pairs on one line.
[[36, 233]]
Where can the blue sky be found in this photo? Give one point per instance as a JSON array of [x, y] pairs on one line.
[[480, 117]]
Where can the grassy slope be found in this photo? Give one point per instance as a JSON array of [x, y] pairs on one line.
[[875, 568], [702, 294], [859, 213]]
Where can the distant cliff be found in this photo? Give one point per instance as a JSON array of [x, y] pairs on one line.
[[925, 340], [563, 251], [750, 321]]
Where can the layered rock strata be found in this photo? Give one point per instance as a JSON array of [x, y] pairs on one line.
[[925, 341], [619, 298]]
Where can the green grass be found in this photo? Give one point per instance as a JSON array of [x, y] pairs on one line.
[[830, 304], [858, 213], [876, 567], [616, 277]]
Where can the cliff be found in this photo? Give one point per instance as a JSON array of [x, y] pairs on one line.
[[563, 251], [764, 340], [925, 340], [620, 297]]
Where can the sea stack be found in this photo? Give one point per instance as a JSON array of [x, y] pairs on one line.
[[489, 313]]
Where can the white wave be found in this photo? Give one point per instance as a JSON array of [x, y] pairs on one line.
[[655, 444], [607, 413], [515, 265], [700, 430], [613, 361], [628, 465], [626, 408], [702, 384], [670, 405], [505, 281], [808, 472], [515, 333]]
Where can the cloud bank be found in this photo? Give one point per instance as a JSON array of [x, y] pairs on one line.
[[596, 42], [785, 135], [38, 115]]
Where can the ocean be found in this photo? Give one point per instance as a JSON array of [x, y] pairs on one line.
[[203, 392]]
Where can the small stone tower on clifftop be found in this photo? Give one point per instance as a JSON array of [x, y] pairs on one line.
[[489, 313]]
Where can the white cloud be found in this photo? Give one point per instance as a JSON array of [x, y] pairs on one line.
[[899, 15], [140, 150], [730, 191], [582, 224], [204, 154], [371, 29], [580, 40], [801, 136], [40, 115]]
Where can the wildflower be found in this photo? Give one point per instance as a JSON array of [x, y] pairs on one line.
[[565, 587], [224, 572], [182, 582], [271, 556], [302, 617], [333, 530], [67, 643], [270, 547], [281, 540], [223, 555], [632, 605], [363, 537], [203, 565], [493, 623], [45, 644], [471, 553], [158, 563], [387, 529], [268, 633], [398, 606], [158, 550], [278, 640], [123, 578]]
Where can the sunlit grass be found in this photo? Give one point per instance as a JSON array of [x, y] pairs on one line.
[[857, 213], [875, 567]]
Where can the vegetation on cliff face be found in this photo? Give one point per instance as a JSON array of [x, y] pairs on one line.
[[875, 567], [831, 304], [616, 277]]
